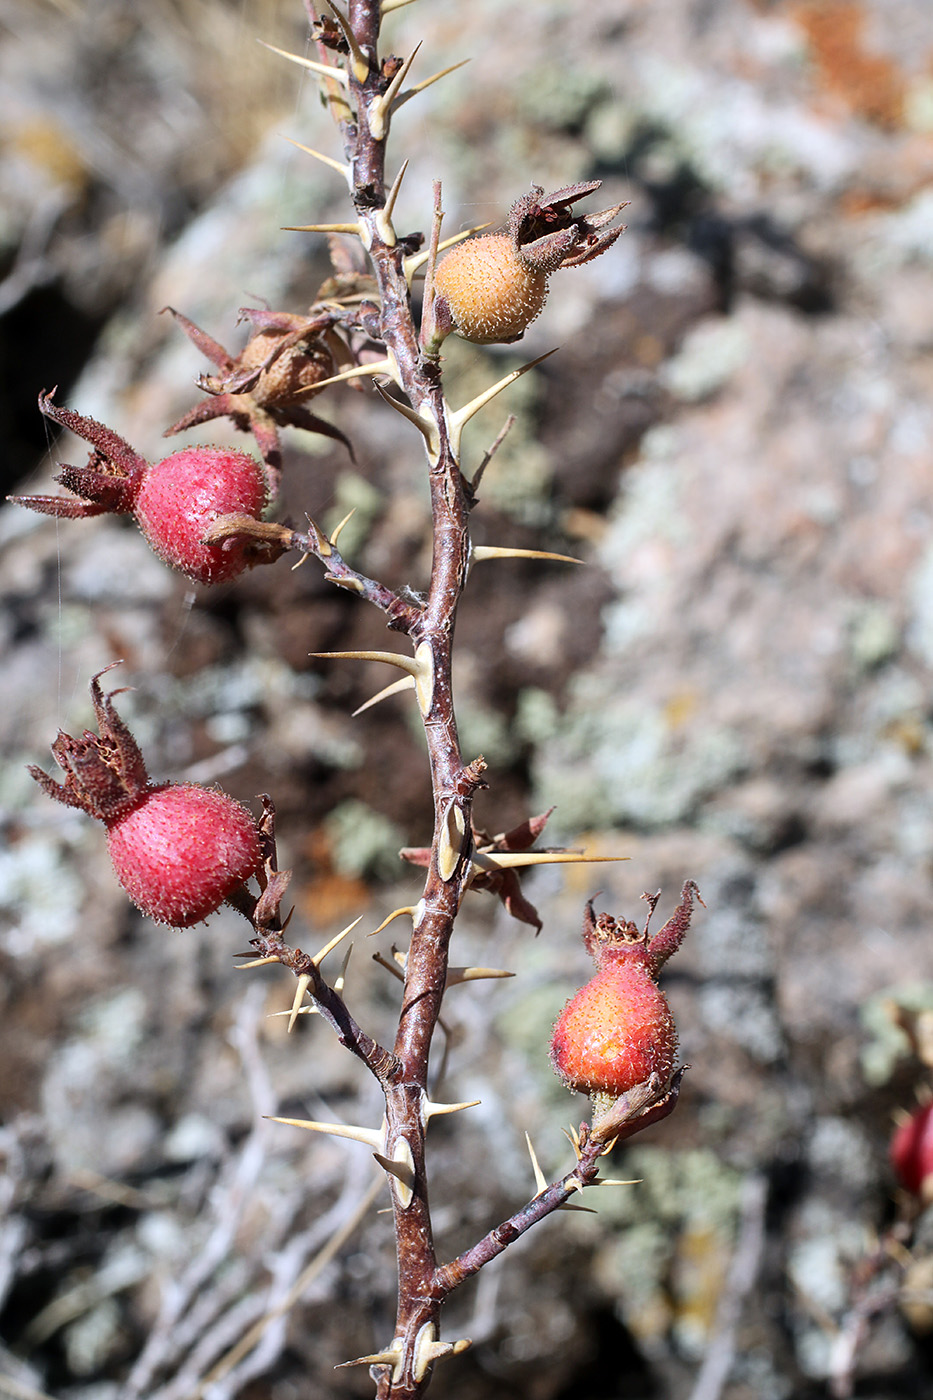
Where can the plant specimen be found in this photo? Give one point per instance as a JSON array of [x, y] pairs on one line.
[[201, 509]]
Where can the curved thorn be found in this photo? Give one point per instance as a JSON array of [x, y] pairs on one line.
[[384, 215], [329, 947], [408, 909], [463, 415], [400, 1166], [457, 975], [392, 658], [335, 533], [486, 551], [372, 1137], [434, 1110], [358, 59], [376, 1358], [379, 367], [426, 426], [319, 228], [381, 110], [320, 70], [396, 688], [504, 860], [426, 83], [326, 160]]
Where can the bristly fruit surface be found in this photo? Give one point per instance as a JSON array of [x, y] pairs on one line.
[[182, 851]]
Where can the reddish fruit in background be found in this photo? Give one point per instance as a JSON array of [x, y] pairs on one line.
[[911, 1153], [490, 289], [175, 501], [178, 850], [618, 1030]]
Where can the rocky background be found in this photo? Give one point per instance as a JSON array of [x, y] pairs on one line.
[[735, 688]]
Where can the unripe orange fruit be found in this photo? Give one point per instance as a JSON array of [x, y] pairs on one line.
[[490, 289], [616, 1031], [492, 294]]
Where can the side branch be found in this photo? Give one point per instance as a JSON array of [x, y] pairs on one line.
[[647, 1103]]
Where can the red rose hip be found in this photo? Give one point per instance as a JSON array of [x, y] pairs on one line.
[[178, 850], [911, 1153], [182, 851], [175, 501]]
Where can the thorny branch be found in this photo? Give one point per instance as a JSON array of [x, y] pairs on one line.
[[362, 91]]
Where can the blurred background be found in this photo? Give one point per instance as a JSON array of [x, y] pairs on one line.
[[735, 688]]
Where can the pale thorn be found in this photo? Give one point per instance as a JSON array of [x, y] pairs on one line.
[[384, 215], [408, 909], [389, 5], [417, 260], [319, 228], [401, 1167], [456, 975], [374, 1138], [302, 1011], [321, 70], [426, 426], [392, 658], [337, 165], [388, 367], [380, 110], [303, 560], [463, 415], [507, 860], [487, 551], [391, 1358], [358, 59], [401, 957], [396, 688], [428, 1350], [614, 1181], [433, 1110], [540, 1178], [575, 1184], [329, 947], [424, 677], [411, 92], [352, 585], [340, 980], [454, 842], [573, 1137], [335, 533], [304, 982], [258, 962]]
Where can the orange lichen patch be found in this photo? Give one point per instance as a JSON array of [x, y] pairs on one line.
[[870, 84], [856, 202]]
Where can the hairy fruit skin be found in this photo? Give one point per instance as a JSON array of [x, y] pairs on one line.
[[182, 851], [181, 496], [615, 1032], [493, 297], [911, 1153], [490, 289], [176, 502], [178, 850]]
